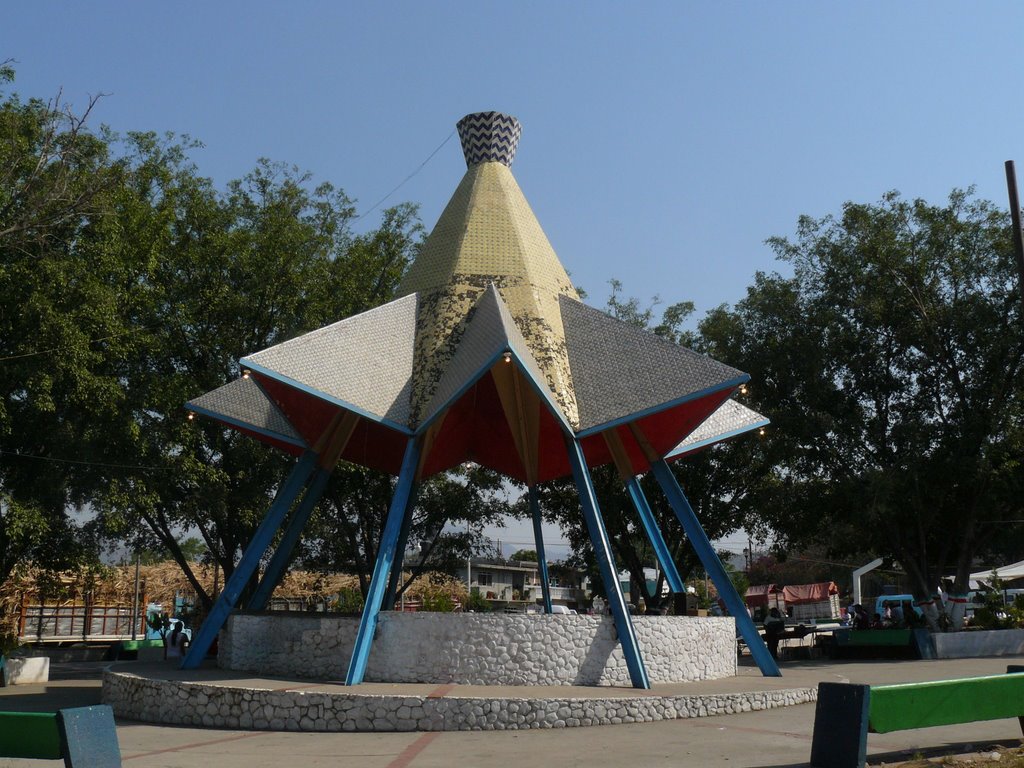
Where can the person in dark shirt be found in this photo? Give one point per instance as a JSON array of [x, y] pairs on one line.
[[860, 617], [774, 626]]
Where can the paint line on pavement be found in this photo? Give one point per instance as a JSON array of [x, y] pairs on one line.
[[195, 744], [407, 755]]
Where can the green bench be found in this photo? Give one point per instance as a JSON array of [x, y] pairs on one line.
[[882, 643], [84, 737], [847, 712], [134, 645], [127, 650]]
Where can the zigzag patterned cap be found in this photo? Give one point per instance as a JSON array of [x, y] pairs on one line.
[[489, 137]]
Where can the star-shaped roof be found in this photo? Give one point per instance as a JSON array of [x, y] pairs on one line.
[[488, 355]]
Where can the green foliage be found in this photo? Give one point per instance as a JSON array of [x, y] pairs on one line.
[[524, 556], [809, 567], [447, 527], [738, 578], [438, 603], [714, 481], [992, 612], [349, 601], [59, 313], [476, 602], [9, 643], [890, 365], [130, 285]]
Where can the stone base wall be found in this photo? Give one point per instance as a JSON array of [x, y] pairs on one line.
[[176, 702], [970, 644], [480, 649]]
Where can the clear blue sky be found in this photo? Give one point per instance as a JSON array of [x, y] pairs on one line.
[[662, 142]]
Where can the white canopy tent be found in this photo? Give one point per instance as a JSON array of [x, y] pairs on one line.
[[1006, 573]]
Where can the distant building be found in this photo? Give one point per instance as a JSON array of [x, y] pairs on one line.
[[515, 586]]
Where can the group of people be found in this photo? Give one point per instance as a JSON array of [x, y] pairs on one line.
[[893, 616]]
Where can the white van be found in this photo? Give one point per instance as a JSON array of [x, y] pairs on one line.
[[897, 602]]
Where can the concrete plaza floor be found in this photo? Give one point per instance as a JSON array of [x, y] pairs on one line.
[[770, 738]]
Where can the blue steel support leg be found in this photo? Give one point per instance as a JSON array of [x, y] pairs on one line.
[[250, 560], [694, 531], [606, 562], [403, 539], [279, 560], [542, 560], [643, 509], [382, 569]]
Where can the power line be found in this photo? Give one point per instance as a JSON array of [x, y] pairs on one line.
[[377, 205], [78, 461], [58, 349]]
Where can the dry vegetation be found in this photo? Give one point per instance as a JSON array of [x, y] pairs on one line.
[[162, 582], [1006, 757]]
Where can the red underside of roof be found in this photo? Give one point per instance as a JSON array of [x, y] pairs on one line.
[[475, 428], [309, 415]]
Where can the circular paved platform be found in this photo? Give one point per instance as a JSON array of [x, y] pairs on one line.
[[213, 697]]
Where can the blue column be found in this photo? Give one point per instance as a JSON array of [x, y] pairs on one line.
[[643, 509], [403, 540], [279, 560], [706, 553], [286, 494], [385, 559], [538, 536], [606, 562]]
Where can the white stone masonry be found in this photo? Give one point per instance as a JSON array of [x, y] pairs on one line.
[[480, 648]]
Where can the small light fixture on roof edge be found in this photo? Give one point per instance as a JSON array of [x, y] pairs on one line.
[[743, 389], [191, 416], [245, 373], [761, 432], [507, 356]]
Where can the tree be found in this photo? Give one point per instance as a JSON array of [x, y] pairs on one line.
[[58, 319], [890, 365], [131, 284], [223, 275], [525, 556], [447, 527], [808, 567], [714, 481]]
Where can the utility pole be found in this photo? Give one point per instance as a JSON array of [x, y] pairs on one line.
[[135, 602], [1018, 239], [469, 564]]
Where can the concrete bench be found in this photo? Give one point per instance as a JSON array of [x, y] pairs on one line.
[[84, 737], [847, 712], [24, 670]]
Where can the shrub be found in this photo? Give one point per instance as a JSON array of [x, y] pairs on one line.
[[477, 603]]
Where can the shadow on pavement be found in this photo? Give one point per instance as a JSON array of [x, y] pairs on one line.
[[897, 758], [48, 698]]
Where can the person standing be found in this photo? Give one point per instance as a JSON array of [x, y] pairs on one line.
[[774, 626], [176, 641]]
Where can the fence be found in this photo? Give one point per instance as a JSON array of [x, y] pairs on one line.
[[77, 622]]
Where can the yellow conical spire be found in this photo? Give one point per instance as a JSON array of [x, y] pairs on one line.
[[489, 234]]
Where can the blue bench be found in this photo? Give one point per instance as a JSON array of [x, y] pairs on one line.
[[84, 737]]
